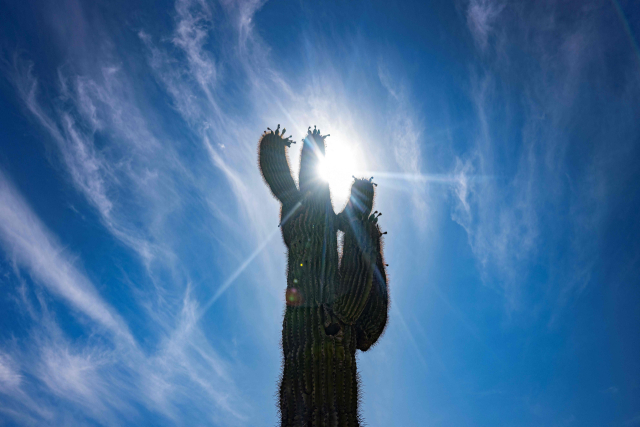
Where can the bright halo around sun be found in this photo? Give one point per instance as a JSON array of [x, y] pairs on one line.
[[337, 168]]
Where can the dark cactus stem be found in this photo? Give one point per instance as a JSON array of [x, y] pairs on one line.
[[334, 305]]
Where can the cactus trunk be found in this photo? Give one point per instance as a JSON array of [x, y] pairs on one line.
[[334, 305]]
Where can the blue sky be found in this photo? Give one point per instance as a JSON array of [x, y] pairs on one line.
[[142, 273]]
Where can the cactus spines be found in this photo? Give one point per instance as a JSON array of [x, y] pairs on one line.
[[334, 305]]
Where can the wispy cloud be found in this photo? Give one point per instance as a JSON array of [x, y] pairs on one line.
[[10, 377], [406, 134], [500, 219], [47, 357], [91, 108], [481, 19], [134, 182], [108, 380], [104, 376], [30, 245], [89, 378], [509, 219]]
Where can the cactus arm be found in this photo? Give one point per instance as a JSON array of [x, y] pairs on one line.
[[272, 158], [361, 236], [356, 271], [363, 295], [373, 319], [313, 150], [360, 203]]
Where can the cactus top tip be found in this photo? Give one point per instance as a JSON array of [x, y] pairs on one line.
[[316, 132]]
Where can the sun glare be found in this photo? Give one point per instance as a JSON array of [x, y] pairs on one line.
[[337, 168]]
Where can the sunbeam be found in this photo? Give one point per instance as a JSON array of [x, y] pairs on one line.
[[435, 178], [227, 283], [236, 274]]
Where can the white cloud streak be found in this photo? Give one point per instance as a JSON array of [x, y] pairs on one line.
[[93, 174], [30, 245], [10, 377], [510, 218], [99, 378], [407, 135], [481, 19], [184, 379]]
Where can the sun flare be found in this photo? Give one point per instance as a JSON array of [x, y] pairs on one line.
[[337, 168]]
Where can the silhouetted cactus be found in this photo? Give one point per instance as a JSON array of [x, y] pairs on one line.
[[334, 305]]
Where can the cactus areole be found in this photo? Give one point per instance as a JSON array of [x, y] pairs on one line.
[[335, 303]]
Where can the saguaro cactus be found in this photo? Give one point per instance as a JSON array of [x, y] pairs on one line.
[[335, 303]]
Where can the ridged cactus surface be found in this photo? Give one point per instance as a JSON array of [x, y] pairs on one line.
[[335, 303]]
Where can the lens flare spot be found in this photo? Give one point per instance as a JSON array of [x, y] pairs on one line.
[[293, 297]]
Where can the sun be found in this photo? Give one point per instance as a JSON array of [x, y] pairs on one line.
[[337, 168]]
